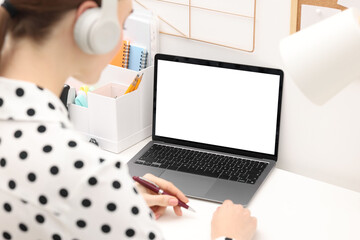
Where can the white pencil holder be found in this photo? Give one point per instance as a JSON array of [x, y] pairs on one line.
[[114, 120]]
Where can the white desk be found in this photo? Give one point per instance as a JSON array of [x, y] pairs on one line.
[[287, 206]]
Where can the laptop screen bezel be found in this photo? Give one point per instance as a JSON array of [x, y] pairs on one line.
[[213, 63]]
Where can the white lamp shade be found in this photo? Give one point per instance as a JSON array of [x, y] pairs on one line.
[[325, 57]]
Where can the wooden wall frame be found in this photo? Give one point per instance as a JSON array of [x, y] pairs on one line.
[[253, 18], [296, 10]]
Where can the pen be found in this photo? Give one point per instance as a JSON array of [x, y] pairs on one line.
[[155, 188]]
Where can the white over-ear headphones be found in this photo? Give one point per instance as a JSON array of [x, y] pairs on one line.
[[97, 31]]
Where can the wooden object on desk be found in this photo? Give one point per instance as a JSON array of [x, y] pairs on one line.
[[296, 5]]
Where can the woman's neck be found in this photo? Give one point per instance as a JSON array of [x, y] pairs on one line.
[[43, 65]]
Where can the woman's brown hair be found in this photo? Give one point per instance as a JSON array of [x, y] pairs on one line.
[[34, 18]]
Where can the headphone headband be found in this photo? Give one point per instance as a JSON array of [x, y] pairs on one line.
[[109, 9], [9, 8]]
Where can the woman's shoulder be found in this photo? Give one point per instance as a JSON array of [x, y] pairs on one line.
[[77, 149], [49, 154]]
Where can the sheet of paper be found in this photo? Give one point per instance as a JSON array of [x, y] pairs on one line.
[[174, 15], [243, 7], [350, 3], [237, 33], [312, 14]]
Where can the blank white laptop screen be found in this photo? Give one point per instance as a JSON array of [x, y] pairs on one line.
[[217, 106]]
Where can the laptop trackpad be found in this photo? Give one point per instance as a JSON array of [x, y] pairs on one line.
[[189, 184]]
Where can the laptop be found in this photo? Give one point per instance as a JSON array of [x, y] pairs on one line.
[[216, 125]]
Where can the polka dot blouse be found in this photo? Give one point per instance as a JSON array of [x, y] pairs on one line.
[[55, 186]]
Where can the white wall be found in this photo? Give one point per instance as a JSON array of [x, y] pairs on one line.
[[318, 142]]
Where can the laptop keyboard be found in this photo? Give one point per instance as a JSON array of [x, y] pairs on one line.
[[202, 163]]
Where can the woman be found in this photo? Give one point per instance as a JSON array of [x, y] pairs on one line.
[[52, 184]]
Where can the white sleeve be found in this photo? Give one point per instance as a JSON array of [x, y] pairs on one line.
[[106, 205]]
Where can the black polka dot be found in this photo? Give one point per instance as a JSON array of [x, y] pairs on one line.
[[135, 190], [40, 218], [40, 88], [1, 102], [6, 235], [43, 200], [92, 181], [7, 207], [32, 177], [3, 162], [18, 134], [72, 144], [105, 228], [81, 223], [51, 106], [118, 164], [101, 160], [111, 207], [30, 112], [86, 202], [54, 170], [116, 184], [135, 210], [151, 236], [47, 149], [41, 129], [79, 164], [12, 184], [63, 192], [20, 92], [23, 227], [23, 201], [130, 232], [151, 215], [56, 237], [23, 155]]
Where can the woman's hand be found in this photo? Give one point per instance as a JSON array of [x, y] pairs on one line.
[[159, 203], [233, 221]]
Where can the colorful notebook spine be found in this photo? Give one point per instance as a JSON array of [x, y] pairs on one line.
[[122, 57], [131, 56], [143, 60], [138, 58], [126, 54]]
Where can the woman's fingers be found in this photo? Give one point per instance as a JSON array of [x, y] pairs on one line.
[[158, 203], [167, 186], [159, 211], [177, 210], [160, 200]]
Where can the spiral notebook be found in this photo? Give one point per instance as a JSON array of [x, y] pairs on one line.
[[137, 58], [122, 57]]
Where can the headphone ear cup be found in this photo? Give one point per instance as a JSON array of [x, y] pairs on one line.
[[94, 35], [83, 28], [105, 36]]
